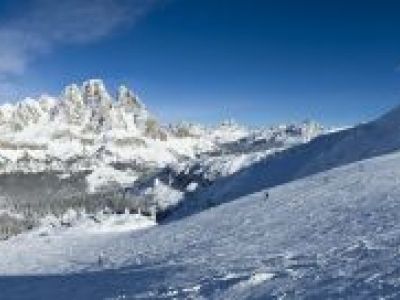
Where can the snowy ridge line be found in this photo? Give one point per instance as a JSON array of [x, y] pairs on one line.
[[86, 125]]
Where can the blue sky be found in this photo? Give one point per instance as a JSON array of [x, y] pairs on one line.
[[259, 62]]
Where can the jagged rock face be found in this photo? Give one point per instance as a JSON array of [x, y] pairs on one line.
[[27, 112], [57, 131], [90, 107], [65, 133]]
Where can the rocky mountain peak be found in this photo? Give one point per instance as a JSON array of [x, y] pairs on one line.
[[89, 106]]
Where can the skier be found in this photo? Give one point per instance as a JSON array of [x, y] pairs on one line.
[[266, 196], [100, 260]]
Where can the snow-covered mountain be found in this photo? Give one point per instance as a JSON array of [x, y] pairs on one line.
[[286, 212], [79, 149], [67, 134], [86, 127]]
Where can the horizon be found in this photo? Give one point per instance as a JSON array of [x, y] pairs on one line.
[[113, 92], [262, 63]]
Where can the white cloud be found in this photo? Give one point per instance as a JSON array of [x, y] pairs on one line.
[[49, 23]]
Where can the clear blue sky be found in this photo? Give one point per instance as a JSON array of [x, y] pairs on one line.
[[260, 62]]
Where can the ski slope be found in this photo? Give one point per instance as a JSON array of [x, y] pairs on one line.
[[327, 151], [331, 235]]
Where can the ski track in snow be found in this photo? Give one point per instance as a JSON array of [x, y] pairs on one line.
[[331, 235]]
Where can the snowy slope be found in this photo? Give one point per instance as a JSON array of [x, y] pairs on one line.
[[332, 235], [326, 151]]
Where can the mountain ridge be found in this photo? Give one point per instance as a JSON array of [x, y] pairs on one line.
[[84, 149], [87, 118]]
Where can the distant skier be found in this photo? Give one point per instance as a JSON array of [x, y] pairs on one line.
[[100, 260], [266, 196]]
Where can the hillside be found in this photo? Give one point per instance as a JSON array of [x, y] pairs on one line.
[[327, 151], [331, 235]]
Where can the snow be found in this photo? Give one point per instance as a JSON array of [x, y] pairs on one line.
[[166, 196], [259, 278], [229, 131], [119, 223], [331, 235], [114, 143], [11, 214], [282, 165], [72, 127], [104, 174], [76, 244], [192, 186]]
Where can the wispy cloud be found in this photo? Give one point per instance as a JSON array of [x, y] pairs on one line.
[[49, 24]]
